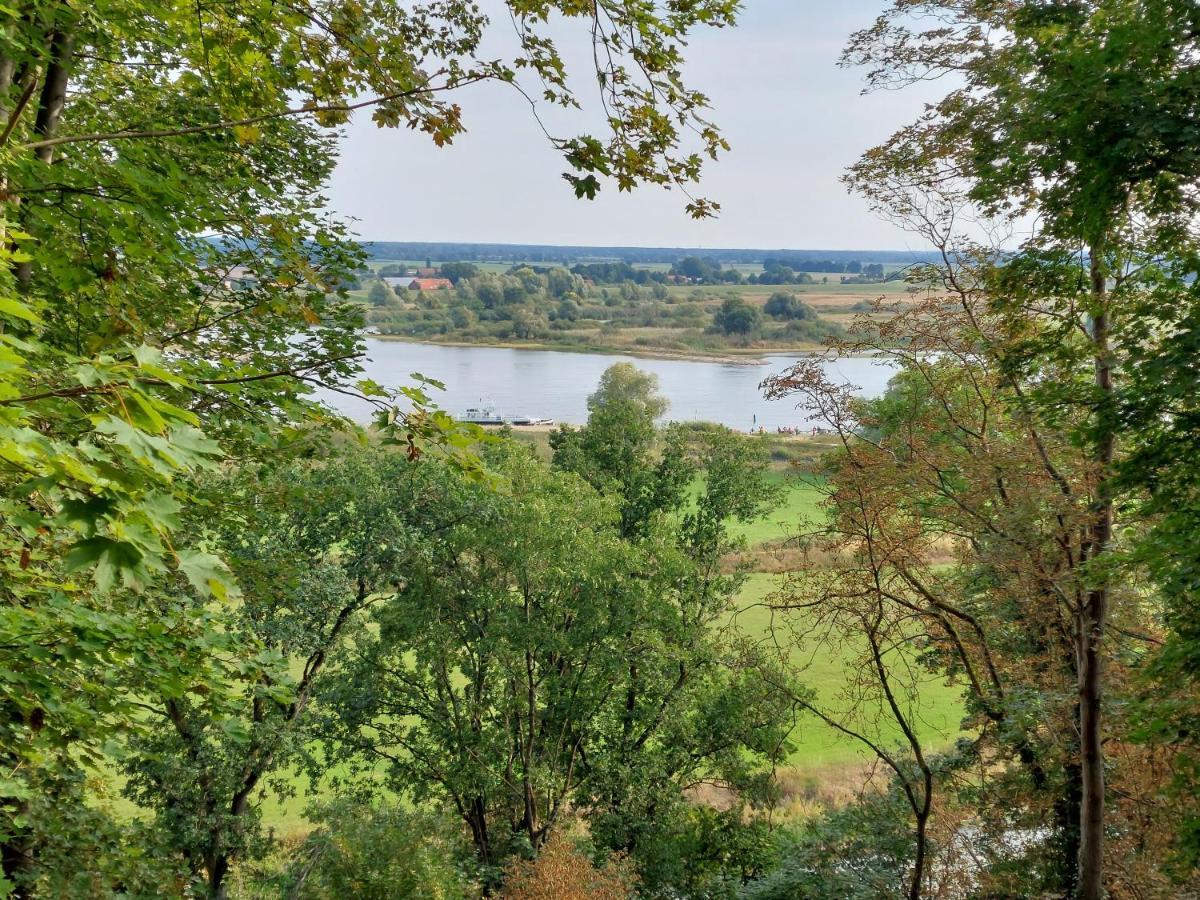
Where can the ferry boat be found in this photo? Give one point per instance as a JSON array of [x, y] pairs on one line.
[[483, 415], [487, 415]]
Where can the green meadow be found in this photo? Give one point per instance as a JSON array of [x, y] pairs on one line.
[[826, 669]]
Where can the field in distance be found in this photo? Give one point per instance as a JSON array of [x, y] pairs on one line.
[[649, 309]]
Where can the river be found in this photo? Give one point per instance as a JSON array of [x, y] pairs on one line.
[[555, 385]]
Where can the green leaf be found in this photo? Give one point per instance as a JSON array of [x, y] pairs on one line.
[[206, 573], [15, 309]]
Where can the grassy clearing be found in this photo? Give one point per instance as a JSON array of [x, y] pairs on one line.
[[828, 666], [827, 669], [800, 508]]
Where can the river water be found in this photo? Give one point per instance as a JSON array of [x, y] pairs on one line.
[[555, 385]]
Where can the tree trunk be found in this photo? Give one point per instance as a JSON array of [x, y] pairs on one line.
[[218, 868], [1094, 612], [1067, 812], [49, 112], [1091, 755], [477, 821], [918, 875]]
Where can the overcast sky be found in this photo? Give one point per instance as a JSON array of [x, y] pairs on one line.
[[795, 121]]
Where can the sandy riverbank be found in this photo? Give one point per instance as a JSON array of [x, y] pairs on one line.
[[731, 356]]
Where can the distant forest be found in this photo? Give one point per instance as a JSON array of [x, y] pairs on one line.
[[557, 254]]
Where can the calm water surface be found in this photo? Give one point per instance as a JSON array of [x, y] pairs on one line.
[[555, 385]]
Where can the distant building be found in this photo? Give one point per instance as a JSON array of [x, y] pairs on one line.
[[427, 272], [398, 282], [430, 284]]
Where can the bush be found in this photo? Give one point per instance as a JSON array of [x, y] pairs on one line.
[[562, 871], [736, 316], [121, 858], [815, 330], [781, 305], [860, 852], [384, 852]]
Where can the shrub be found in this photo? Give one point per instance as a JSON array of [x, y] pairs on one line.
[[782, 305], [860, 852], [382, 852], [736, 317], [562, 871]]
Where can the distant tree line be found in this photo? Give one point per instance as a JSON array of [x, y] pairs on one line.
[[563, 255], [688, 269]]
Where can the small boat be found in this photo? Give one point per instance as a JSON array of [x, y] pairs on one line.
[[482, 415], [485, 414]]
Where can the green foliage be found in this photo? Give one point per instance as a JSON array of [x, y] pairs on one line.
[[781, 305], [379, 851], [457, 271], [617, 451], [313, 544], [697, 851], [859, 852], [736, 316], [379, 294], [1076, 117], [172, 287], [118, 858], [539, 656], [697, 268]]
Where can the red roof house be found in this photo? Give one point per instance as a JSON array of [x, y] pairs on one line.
[[430, 284]]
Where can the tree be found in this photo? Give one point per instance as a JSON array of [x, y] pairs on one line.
[[457, 271], [536, 661], [912, 473], [568, 310], [527, 323], [617, 451], [781, 305], [380, 294], [172, 287], [736, 316], [1047, 124], [560, 282], [314, 545], [698, 268], [462, 317]]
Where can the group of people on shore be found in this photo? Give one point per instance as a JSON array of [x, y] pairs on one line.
[[793, 430]]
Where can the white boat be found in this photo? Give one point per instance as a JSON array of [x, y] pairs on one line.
[[482, 415], [485, 414]]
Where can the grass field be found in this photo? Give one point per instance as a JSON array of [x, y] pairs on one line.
[[826, 668], [799, 509]]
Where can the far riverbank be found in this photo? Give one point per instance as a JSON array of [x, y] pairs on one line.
[[749, 356]]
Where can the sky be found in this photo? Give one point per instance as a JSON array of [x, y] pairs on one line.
[[794, 119]]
